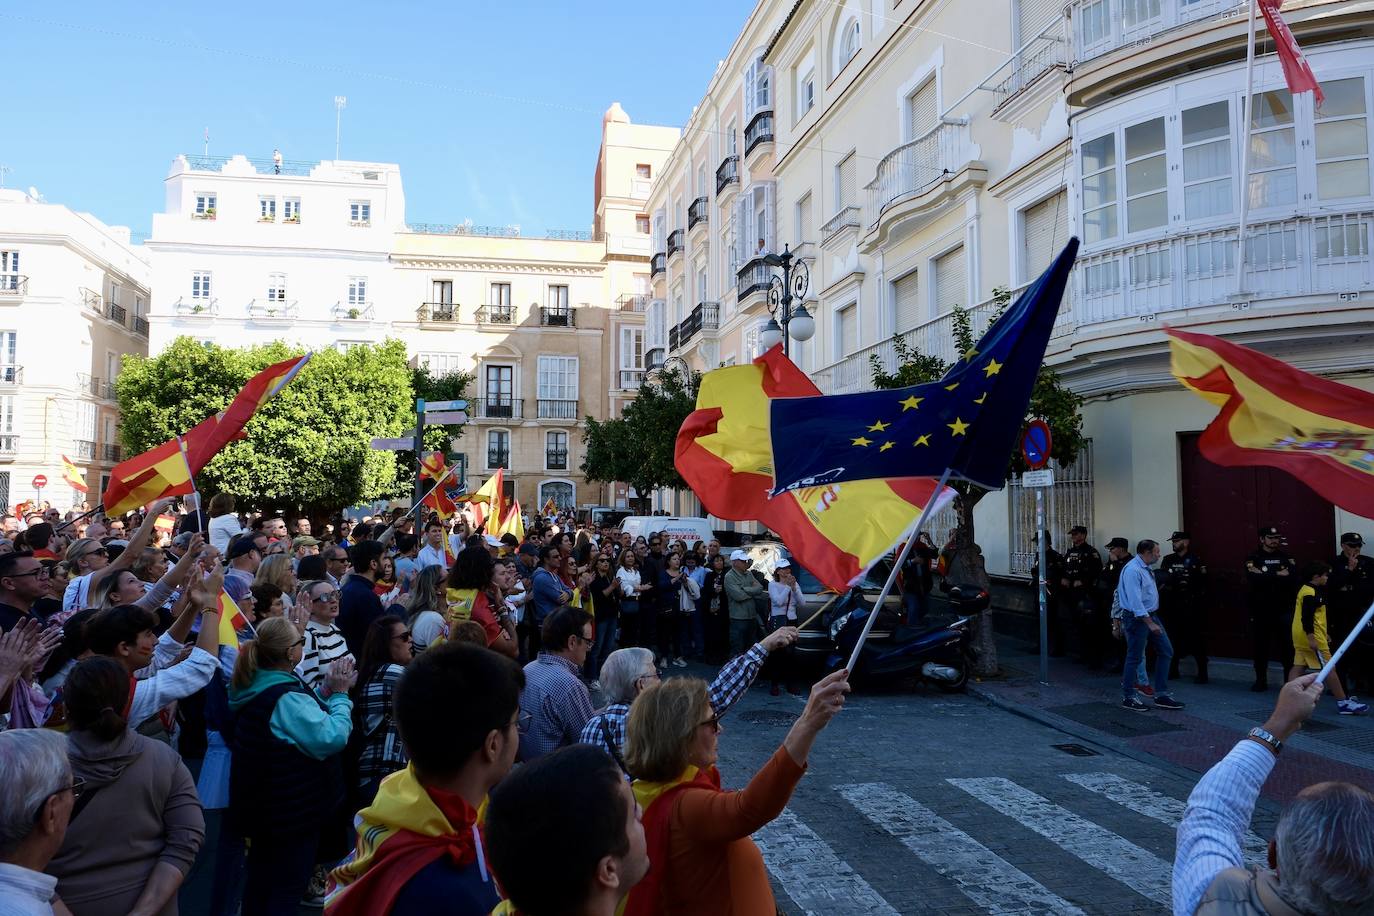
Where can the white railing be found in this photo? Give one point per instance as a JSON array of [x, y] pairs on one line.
[[1032, 60], [914, 166], [847, 218], [1100, 26], [1306, 255]]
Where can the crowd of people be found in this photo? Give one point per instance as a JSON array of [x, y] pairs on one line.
[[439, 720]]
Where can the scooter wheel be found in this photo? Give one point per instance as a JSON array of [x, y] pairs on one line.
[[960, 685]]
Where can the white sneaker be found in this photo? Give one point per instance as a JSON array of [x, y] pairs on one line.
[[1351, 706]]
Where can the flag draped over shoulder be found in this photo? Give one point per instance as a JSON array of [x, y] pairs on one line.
[[72, 475], [1274, 415], [835, 531], [967, 422]]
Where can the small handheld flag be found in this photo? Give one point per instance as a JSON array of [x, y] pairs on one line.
[[73, 476]]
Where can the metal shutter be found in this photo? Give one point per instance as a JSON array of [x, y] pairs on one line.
[[848, 174], [906, 293], [803, 231], [849, 330], [1044, 228], [922, 111], [1034, 16], [950, 281]]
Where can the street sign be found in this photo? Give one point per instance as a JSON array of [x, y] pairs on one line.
[[1041, 478], [432, 406], [446, 417], [1036, 443], [404, 443], [39, 481]]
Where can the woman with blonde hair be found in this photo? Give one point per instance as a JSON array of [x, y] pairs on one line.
[[426, 608], [276, 570], [698, 834]]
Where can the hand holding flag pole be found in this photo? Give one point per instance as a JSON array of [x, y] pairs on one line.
[[1330, 664], [437, 484]]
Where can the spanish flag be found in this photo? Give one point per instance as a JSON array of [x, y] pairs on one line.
[[164, 471], [231, 620], [491, 495], [205, 440], [73, 476], [435, 468], [550, 508], [512, 523], [836, 531], [1274, 415]]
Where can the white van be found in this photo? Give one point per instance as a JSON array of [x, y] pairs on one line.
[[673, 527]]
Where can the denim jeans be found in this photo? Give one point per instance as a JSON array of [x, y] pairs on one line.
[[1138, 635], [915, 604], [605, 644], [743, 634]]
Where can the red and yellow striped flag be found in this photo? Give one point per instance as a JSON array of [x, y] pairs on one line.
[[231, 620], [139, 480], [205, 440], [73, 476], [1274, 415]]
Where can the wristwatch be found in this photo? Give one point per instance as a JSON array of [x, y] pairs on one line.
[[1263, 736]]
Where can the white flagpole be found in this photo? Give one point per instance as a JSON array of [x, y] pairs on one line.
[[1249, 116], [896, 566], [1350, 638]]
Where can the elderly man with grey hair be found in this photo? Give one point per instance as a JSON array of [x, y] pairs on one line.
[[1321, 859], [37, 793], [628, 671]]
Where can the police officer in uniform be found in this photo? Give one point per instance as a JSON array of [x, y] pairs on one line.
[[1350, 591], [1272, 576], [1183, 579], [1118, 555], [1082, 566]]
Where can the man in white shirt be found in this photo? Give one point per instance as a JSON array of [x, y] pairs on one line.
[[432, 554], [33, 764]]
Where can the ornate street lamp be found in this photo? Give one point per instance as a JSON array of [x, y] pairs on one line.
[[786, 322]]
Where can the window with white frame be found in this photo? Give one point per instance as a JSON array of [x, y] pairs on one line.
[[558, 298], [660, 230], [676, 299], [556, 450], [291, 209], [1342, 139], [850, 41], [85, 421], [1097, 161], [1146, 173], [267, 209], [9, 270], [200, 284], [441, 364], [558, 378], [631, 349], [1044, 227], [758, 87], [8, 426], [922, 110], [1206, 139], [701, 180], [498, 449], [846, 330], [206, 204], [360, 212], [702, 282], [755, 218], [642, 223], [951, 281], [499, 294], [643, 285], [276, 287], [732, 138], [806, 93], [357, 290], [9, 357], [753, 342]]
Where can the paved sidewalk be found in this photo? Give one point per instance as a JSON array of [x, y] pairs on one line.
[[1087, 704]]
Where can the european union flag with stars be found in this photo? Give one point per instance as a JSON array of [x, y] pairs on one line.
[[966, 422]]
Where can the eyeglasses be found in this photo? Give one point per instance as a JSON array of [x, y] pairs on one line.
[[589, 642], [404, 637], [713, 722], [322, 599], [523, 719], [648, 674], [76, 788], [40, 572], [299, 642], [99, 551]]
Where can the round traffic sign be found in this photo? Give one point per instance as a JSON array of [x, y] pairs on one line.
[[39, 481], [1035, 444]]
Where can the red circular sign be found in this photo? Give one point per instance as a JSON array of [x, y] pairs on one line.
[[1036, 443], [39, 481]]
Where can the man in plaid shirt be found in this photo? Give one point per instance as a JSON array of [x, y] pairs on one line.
[[628, 671]]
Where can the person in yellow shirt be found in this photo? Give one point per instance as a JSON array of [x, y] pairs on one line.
[[1310, 648]]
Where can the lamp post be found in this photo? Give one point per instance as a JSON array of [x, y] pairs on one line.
[[785, 322], [678, 366]]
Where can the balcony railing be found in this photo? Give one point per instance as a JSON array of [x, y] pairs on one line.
[[727, 173], [658, 264], [705, 317], [676, 242], [503, 232], [631, 379], [110, 452], [438, 311], [13, 286], [500, 408], [1100, 26], [753, 277], [697, 213], [141, 325], [85, 448], [556, 459], [352, 311], [206, 308], [847, 218], [261, 166], [496, 314], [278, 309], [632, 302], [89, 384], [108, 391], [9, 446], [760, 130], [116, 313], [557, 409], [653, 358], [1308, 255], [93, 300], [558, 316], [498, 458], [913, 167], [11, 375], [1043, 53]]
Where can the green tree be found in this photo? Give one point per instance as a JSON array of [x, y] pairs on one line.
[[452, 386], [308, 449], [637, 447], [1050, 400]]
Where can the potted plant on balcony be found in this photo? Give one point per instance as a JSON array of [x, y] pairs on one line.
[[353, 313], [197, 308]]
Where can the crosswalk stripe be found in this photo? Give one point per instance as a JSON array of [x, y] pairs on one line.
[[1141, 870], [984, 877], [816, 879], [1163, 808]]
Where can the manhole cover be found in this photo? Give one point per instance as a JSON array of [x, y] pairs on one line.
[[1115, 721], [1311, 726], [1076, 750], [767, 717]]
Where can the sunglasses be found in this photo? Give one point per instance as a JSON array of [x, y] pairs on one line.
[[324, 599], [714, 722], [99, 551], [404, 637], [40, 572]]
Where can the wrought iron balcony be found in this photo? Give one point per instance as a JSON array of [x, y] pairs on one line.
[[496, 314], [110, 453], [11, 375], [352, 311], [705, 317], [697, 213], [498, 458], [558, 317], [727, 173], [557, 409], [89, 384], [437, 311], [759, 131], [632, 302], [108, 391], [631, 379], [140, 325], [272, 309], [676, 242], [658, 264], [85, 448], [9, 446], [196, 308], [753, 277], [500, 408], [13, 286], [556, 459], [653, 358], [116, 313], [92, 300]]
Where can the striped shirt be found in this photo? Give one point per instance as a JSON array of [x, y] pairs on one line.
[[324, 643], [730, 684], [558, 705]]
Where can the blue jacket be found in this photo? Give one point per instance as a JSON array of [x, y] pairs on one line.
[[358, 607], [548, 589]]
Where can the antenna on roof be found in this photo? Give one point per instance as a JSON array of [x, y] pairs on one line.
[[4, 170], [340, 103]]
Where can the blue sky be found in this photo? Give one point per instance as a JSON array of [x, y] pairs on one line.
[[492, 109]]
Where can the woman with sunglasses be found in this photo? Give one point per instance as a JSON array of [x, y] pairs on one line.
[[129, 787], [386, 652], [286, 782], [324, 641], [698, 834]]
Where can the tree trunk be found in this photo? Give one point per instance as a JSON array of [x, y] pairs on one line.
[[966, 567]]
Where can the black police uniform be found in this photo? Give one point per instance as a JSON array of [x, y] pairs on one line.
[[1349, 593], [1077, 603], [1271, 610], [1114, 650], [1183, 582]]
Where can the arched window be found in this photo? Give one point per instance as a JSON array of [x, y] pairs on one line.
[[850, 43], [560, 491]]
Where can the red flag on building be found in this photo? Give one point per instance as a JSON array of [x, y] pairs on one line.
[[1297, 72]]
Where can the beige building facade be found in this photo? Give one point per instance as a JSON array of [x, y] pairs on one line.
[[74, 300]]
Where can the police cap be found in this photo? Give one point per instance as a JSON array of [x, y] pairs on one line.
[[1179, 536], [1269, 531], [1352, 538], [1120, 543]]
